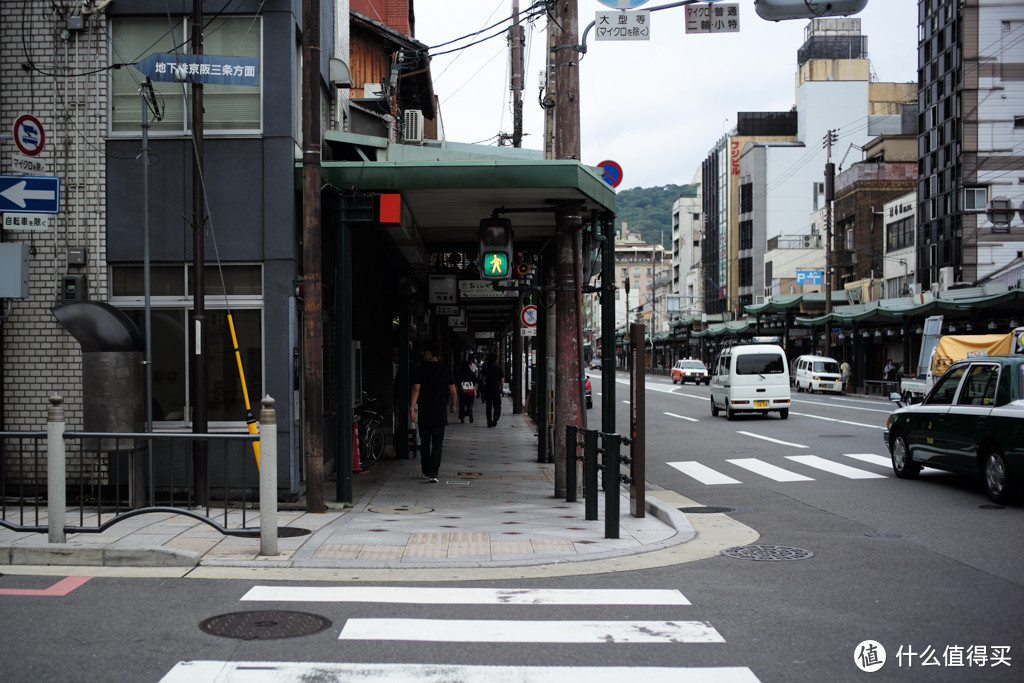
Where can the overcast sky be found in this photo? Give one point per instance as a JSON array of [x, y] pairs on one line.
[[656, 107]]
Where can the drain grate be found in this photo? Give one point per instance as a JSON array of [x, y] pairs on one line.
[[282, 532], [767, 552], [264, 625], [399, 509], [705, 510]]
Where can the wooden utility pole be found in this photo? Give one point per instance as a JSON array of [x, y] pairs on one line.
[[312, 315], [830, 185], [516, 42]]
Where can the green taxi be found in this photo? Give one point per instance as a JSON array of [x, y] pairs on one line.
[[971, 422]]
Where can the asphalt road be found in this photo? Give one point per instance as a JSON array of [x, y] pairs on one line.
[[927, 568]]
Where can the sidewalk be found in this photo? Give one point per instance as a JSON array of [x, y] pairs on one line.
[[494, 506]]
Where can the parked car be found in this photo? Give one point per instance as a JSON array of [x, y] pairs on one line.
[[971, 422], [818, 373], [589, 392], [690, 370]]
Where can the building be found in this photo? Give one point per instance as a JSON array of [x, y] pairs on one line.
[[971, 133], [900, 269], [687, 237]]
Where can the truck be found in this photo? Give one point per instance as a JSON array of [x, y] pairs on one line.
[[939, 351]]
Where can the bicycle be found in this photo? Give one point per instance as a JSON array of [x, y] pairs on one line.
[[371, 432]]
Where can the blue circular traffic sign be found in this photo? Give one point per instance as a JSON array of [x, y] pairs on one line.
[[29, 135], [612, 172], [622, 4]]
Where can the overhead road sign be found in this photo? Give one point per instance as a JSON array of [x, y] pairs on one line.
[[29, 135], [29, 194], [205, 69], [622, 25], [713, 18]]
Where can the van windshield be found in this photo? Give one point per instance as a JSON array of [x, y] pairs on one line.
[[826, 366], [760, 364]]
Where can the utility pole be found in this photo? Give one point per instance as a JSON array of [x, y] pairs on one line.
[[312, 315], [200, 424], [568, 221], [516, 41], [831, 137]]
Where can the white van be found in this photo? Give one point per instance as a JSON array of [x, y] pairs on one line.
[[751, 378], [818, 373]]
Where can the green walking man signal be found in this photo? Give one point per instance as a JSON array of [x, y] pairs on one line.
[[495, 248]]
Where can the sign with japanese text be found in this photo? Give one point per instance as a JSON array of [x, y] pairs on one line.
[[206, 69], [716, 18], [446, 310], [26, 221], [482, 289], [441, 289], [622, 25]]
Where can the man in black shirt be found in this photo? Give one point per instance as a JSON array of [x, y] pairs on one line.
[[432, 387], [494, 384]]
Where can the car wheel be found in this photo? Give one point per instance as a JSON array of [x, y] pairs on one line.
[[675, 381], [998, 485], [707, 381], [902, 464], [590, 404], [730, 414], [784, 413], [714, 409]]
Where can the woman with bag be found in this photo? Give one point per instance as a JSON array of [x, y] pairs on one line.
[[467, 390]]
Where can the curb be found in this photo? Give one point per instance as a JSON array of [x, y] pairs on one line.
[[63, 554]]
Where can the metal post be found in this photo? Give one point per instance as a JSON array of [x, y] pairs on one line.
[[590, 474], [56, 466], [637, 426], [268, 477], [136, 474], [608, 324], [200, 475], [612, 447], [571, 437]]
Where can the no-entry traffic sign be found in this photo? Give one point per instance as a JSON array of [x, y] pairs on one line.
[[29, 135]]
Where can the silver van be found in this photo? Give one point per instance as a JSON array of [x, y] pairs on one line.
[[817, 373], [751, 378]]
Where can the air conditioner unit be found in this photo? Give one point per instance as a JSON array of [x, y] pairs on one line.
[[807, 241], [373, 90], [412, 131], [946, 277]]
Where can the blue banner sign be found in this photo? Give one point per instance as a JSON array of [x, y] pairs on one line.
[[204, 69], [809, 277]]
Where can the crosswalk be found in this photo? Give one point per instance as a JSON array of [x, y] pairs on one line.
[[568, 631], [805, 466]]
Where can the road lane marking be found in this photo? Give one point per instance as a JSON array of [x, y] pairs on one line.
[[768, 438], [205, 671], [682, 417], [507, 631], [880, 460], [702, 473], [832, 419], [844, 407], [57, 590], [767, 470], [834, 467], [464, 596]]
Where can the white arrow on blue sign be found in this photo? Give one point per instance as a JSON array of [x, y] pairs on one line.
[[29, 194]]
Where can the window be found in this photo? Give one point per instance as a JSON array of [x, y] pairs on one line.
[[231, 108], [760, 364], [975, 198], [980, 386], [944, 392], [173, 336]]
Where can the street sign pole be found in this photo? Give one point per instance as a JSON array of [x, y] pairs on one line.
[[199, 377]]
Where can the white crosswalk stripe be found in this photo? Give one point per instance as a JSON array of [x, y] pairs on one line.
[[712, 477], [302, 672], [507, 631], [464, 596]]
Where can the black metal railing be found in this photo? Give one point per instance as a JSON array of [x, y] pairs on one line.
[[596, 473]]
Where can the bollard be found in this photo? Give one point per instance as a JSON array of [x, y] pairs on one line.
[[571, 434], [612, 448], [590, 474], [268, 477], [56, 471]]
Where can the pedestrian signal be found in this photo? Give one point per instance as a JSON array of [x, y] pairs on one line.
[[495, 248]]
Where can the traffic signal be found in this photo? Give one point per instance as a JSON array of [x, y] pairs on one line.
[[495, 248], [774, 10]]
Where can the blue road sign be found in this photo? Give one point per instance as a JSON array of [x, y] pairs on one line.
[[622, 4], [29, 194], [205, 69], [809, 277]]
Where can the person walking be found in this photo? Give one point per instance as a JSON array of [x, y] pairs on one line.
[[494, 382], [432, 387], [847, 373], [467, 391]]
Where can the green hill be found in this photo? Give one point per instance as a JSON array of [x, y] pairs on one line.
[[648, 210]]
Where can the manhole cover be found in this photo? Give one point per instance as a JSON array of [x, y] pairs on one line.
[[282, 532], [767, 552], [704, 510], [265, 625], [400, 509]]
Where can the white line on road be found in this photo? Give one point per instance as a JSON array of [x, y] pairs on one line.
[[301, 672], [702, 473], [880, 460], [832, 419], [767, 470], [507, 631], [464, 596], [844, 407], [834, 467], [768, 438], [682, 417]]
